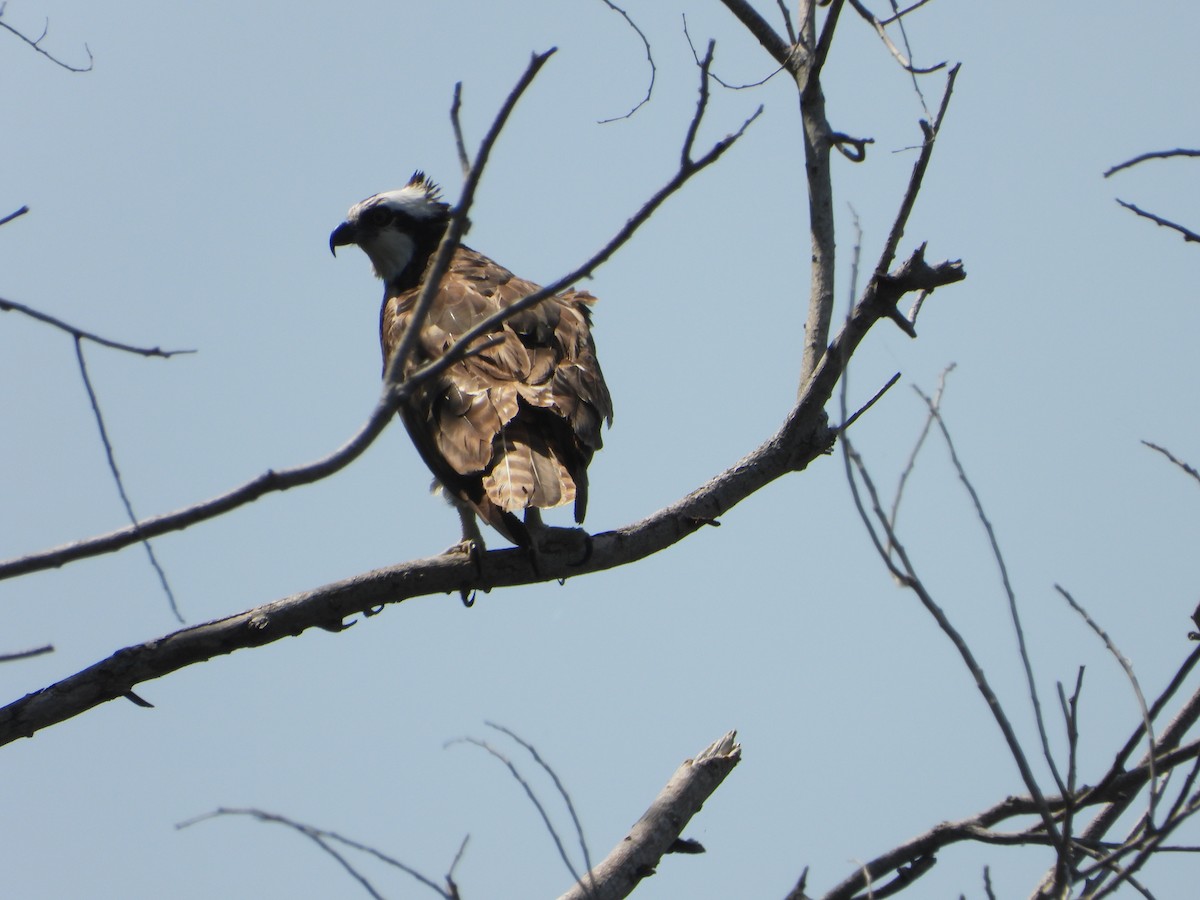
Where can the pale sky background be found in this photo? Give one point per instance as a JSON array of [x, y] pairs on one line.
[[182, 195]]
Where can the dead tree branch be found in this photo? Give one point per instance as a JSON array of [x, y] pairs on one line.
[[1187, 234], [1180, 463], [394, 391], [110, 456], [26, 654], [14, 215], [649, 59], [529, 792], [325, 840], [658, 831], [36, 44], [1156, 154], [803, 437], [81, 334]]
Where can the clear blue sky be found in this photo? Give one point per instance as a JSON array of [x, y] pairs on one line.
[[182, 194]]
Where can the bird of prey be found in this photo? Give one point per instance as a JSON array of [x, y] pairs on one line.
[[511, 427]]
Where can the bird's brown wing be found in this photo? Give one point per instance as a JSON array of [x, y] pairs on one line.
[[514, 424]]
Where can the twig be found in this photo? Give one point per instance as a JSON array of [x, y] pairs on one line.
[[464, 161], [1070, 709], [462, 849], [1187, 233], [562, 791], [1157, 154], [1137, 690], [321, 837], [116, 474], [902, 13], [79, 333], [918, 175], [905, 61], [979, 827], [905, 573], [457, 227], [1006, 582], [14, 215], [862, 409], [787, 20], [26, 654], [911, 463], [1167, 453], [37, 45], [649, 59], [529, 792], [713, 75]]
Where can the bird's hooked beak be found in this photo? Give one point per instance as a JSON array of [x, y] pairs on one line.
[[344, 234]]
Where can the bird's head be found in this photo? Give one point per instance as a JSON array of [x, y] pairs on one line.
[[394, 227]]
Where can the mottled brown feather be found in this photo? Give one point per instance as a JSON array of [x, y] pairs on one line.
[[516, 424]]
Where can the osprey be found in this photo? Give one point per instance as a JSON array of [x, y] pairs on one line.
[[511, 427]]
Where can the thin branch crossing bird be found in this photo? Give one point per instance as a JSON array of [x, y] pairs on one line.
[[512, 426]]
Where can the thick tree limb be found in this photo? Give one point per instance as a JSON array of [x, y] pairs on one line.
[[803, 437], [659, 828]]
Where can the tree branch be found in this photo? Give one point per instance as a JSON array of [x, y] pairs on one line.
[[1157, 154], [37, 45], [659, 828], [1187, 233], [393, 393], [803, 437]]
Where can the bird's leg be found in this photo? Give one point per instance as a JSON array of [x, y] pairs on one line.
[[536, 532], [472, 539], [546, 540]]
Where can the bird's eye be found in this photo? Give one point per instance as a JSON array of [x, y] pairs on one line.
[[377, 216]]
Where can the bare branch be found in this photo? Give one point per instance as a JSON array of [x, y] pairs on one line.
[[898, 15], [803, 437], [762, 31], [321, 838], [79, 333], [979, 828], [1187, 233], [1158, 154], [649, 59], [14, 215], [918, 175], [393, 393], [713, 75], [26, 654], [529, 792], [905, 61], [659, 828], [1137, 688], [1006, 582], [1167, 453], [457, 226], [911, 463], [37, 45], [787, 20], [866, 406], [464, 161], [116, 474], [562, 791]]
